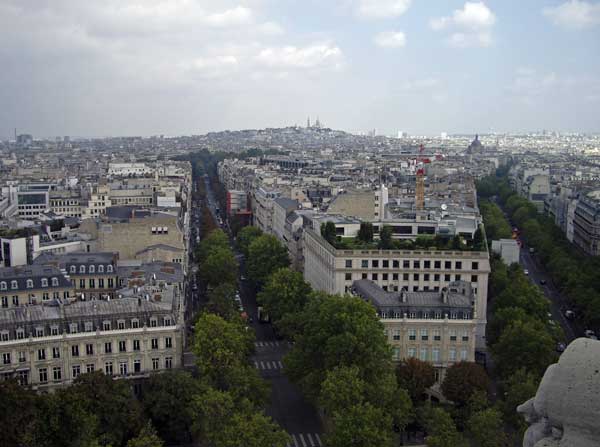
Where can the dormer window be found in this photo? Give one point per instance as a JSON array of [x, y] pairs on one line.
[[91, 269], [44, 282], [14, 284], [30, 283], [73, 269], [100, 269], [54, 282], [109, 268], [3, 285], [82, 269], [73, 328]]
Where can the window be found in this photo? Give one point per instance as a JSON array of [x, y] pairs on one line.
[[396, 354], [135, 323], [153, 322], [57, 373], [168, 362], [15, 300], [73, 328], [412, 314], [458, 265], [348, 276], [108, 368], [424, 335], [426, 277], [416, 264], [30, 283], [101, 283], [463, 354], [447, 265], [106, 325], [6, 358], [452, 335], [45, 296], [375, 263], [436, 277], [155, 343], [137, 366], [168, 342], [437, 264], [136, 345], [473, 278], [465, 336], [435, 355], [82, 269], [108, 347], [43, 372], [466, 315], [73, 269], [412, 352], [100, 269], [406, 264], [427, 264], [89, 349], [123, 368], [423, 356], [82, 283], [425, 314], [412, 334], [92, 269], [122, 346], [109, 269], [90, 368], [39, 332], [416, 276], [44, 282], [22, 356], [167, 322], [375, 276], [14, 285], [395, 276], [110, 283], [56, 353], [447, 277], [41, 354], [405, 277], [384, 276], [453, 316], [4, 336], [92, 283], [475, 266], [385, 263], [458, 277], [75, 350], [396, 334], [20, 333], [2, 285], [348, 263], [436, 335], [364, 264], [54, 282], [364, 276], [121, 324], [4, 301], [395, 264], [154, 363], [452, 355], [75, 371], [88, 326]]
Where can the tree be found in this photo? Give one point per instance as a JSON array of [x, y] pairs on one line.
[[219, 267], [214, 240], [146, 438], [478, 240], [365, 232], [519, 388], [462, 380], [265, 255], [442, 431], [337, 331], [221, 301], [168, 400], [118, 414], [245, 237], [457, 243], [523, 345], [361, 425], [341, 389], [502, 318], [486, 428], [328, 232], [385, 238], [284, 295], [415, 376], [17, 412]]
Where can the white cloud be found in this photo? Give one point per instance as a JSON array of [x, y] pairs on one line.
[[312, 56], [574, 14], [390, 39], [469, 27], [381, 9], [271, 29], [230, 17]]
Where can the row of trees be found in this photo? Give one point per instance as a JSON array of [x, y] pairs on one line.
[[574, 273], [342, 362]]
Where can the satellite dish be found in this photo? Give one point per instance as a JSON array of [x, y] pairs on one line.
[[444, 207]]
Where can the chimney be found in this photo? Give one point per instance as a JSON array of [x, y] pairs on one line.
[[403, 296], [445, 295]]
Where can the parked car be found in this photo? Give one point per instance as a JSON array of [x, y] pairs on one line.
[[569, 314], [526, 272]]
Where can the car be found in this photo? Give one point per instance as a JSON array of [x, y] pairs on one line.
[[590, 334], [542, 282], [526, 272], [569, 314], [243, 278]]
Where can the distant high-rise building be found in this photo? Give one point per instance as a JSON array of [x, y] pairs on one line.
[[308, 122], [24, 139], [444, 135], [401, 134]]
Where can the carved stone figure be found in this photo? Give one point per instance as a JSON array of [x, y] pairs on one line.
[[565, 411]]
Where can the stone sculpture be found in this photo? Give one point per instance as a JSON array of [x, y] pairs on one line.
[[565, 411]]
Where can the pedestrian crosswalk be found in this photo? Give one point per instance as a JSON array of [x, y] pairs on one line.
[[305, 440], [271, 344], [268, 364]]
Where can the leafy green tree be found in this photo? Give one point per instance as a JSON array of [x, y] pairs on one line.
[[265, 255], [146, 438], [337, 331], [221, 301], [502, 318], [487, 429], [17, 412], [328, 232], [415, 376], [478, 240], [216, 239], [245, 237], [457, 243], [523, 345], [517, 389], [168, 399], [442, 431], [283, 296], [219, 267], [365, 232], [361, 425], [341, 389], [117, 412], [386, 241], [462, 380]]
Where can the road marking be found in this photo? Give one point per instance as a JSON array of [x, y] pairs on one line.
[[268, 365], [312, 443], [295, 442], [280, 364], [318, 439], [302, 439]]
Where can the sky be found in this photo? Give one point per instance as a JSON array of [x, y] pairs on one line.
[[180, 67]]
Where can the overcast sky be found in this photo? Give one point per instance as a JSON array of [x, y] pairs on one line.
[[148, 67]]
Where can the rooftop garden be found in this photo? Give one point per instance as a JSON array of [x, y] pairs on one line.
[[365, 240]]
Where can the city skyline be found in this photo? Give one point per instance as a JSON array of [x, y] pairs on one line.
[[187, 67]]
